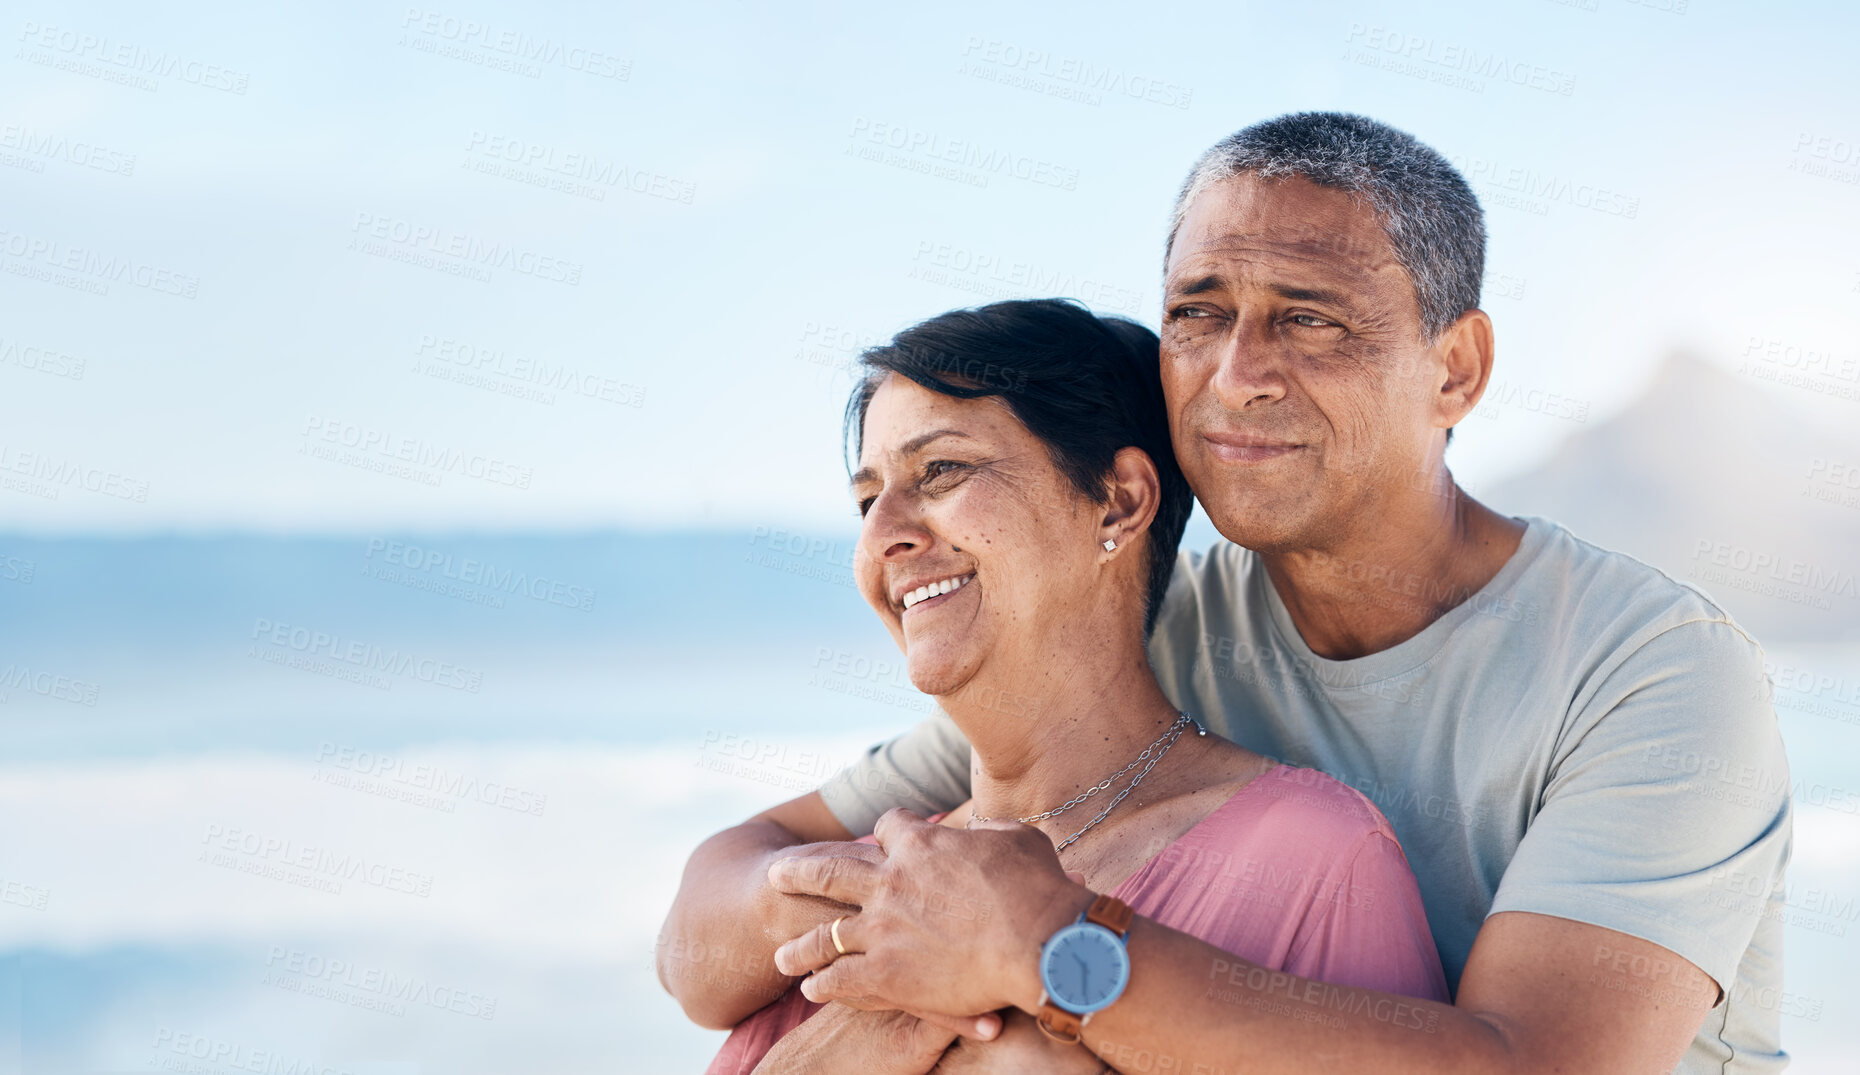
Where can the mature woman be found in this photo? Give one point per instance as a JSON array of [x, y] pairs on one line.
[[1020, 511]]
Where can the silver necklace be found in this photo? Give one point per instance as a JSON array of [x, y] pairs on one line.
[[1152, 753]]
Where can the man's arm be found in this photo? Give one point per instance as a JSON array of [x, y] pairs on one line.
[[1539, 994], [715, 950]]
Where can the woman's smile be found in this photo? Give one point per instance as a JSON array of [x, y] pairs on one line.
[[932, 593]]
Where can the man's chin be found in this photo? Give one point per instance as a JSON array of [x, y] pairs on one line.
[[1260, 523]]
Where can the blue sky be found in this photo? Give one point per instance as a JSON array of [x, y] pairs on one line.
[[688, 217]]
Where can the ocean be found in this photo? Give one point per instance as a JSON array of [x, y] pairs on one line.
[[416, 804]]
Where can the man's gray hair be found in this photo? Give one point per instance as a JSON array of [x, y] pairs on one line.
[[1428, 211]]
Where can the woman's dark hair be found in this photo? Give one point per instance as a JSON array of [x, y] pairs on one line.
[[1085, 385]]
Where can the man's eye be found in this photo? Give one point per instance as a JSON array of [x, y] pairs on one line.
[[1310, 321], [865, 505], [1188, 311]]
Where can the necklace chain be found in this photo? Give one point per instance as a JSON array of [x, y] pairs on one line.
[[1153, 753]]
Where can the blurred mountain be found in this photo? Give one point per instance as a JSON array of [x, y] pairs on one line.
[[1720, 484]]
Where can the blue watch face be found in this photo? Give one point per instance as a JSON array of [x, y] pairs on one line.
[[1084, 967]]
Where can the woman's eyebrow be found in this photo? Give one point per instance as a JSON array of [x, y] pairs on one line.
[[910, 447]]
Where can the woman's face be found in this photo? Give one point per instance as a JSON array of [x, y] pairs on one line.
[[957, 496]]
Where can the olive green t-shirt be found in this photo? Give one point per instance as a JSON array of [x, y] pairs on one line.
[[1585, 738]]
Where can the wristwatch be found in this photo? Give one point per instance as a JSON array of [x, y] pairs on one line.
[[1083, 968]]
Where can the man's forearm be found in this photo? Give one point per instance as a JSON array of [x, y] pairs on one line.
[[715, 954], [1193, 1009]]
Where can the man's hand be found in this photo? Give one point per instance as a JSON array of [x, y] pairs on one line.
[[839, 1040], [1022, 1047], [961, 916]]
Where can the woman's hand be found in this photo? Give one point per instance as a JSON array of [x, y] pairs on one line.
[[839, 1040], [1020, 1048]]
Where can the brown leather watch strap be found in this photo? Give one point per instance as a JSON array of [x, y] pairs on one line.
[[1059, 1024], [1111, 913]]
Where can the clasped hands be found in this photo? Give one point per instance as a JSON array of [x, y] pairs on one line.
[[941, 963]]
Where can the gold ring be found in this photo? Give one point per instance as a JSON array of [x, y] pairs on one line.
[[835, 931]]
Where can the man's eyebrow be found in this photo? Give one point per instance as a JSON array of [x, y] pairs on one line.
[[915, 444], [1199, 286], [1310, 294]]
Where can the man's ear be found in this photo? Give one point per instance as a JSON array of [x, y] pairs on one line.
[[1135, 493], [1466, 352]]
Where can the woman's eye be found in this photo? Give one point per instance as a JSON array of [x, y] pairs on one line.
[[940, 468]]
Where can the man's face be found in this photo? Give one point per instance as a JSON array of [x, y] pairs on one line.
[[1301, 393]]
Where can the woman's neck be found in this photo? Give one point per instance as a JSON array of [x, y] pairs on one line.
[[1040, 739]]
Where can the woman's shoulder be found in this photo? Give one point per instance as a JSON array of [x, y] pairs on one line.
[[1306, 811]]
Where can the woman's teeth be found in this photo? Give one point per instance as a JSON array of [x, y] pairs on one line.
[[924, 593]]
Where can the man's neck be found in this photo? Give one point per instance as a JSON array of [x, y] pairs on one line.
[[1395, 572], [1051, 735]]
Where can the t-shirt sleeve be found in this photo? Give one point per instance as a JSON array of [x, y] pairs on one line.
[[926, 770], [1372, 931], [1668, 799]]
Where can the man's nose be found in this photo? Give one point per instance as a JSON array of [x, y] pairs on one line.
[[1249, 370]]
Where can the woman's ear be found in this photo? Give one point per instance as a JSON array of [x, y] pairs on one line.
[[1135, 492]]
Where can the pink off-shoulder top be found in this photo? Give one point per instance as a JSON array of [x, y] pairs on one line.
[[1296, 872]]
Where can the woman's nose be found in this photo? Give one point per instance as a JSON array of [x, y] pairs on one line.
[[892, 528]]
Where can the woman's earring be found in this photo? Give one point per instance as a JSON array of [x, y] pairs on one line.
[[1109, 545]]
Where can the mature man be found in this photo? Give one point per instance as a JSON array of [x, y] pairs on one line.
[[1578, 754]]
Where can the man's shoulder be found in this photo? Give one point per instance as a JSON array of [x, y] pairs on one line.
[[1579, 589]]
